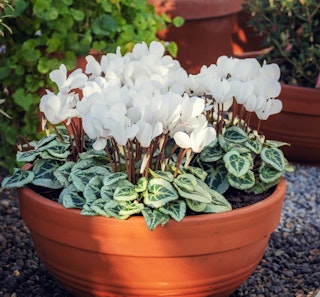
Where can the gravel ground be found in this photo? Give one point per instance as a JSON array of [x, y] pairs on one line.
[[289, 268]]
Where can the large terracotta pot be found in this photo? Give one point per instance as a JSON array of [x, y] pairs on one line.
[[204, 255], [298, 124], [206, 34]]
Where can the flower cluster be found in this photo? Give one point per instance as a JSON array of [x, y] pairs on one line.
[[139, 101]]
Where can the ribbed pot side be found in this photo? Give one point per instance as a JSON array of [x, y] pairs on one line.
[[204, 255]]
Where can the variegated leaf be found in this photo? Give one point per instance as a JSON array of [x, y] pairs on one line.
[[269, 174], [63, 173], [199, 193], [18, 179], [236, 164], [166, 175], [154, 218], [274, 157], [71, 198], [92, 190], [160, 193], [43, 174], [243, 182], [82, 177], [130, 208], [125, 193], [196, 206], [254, 145], [274, 143], [185, 182], [175, 209], [235, 134], [113, 178], [141, 185], [212, 152], [197, 171], [217, 178], [27, 156]]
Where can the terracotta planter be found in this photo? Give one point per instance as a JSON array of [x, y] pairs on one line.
[[204, 255], [206, 34], [298, 124], [244, 38]]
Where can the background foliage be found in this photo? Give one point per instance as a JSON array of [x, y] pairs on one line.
[[46, 33], [291, 30]]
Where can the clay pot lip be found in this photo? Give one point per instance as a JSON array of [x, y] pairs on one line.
[[225, 216], [203, 9], [300, 100]]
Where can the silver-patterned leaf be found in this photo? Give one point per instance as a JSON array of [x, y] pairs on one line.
[[154, 218], [92, 190], [196, 206], [125, 193], [235, 134], [269, 174], [44, 174], [63, 173], [274, 157], [236, 164], [18, 179], [160, 193], [71, 198], [175, 209], [243, 182]]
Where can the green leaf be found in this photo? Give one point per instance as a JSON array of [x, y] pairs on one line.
[[236, 164], [175, 209], [197, 171], [104, 25], [217, 178], [92, 190], [27, 156], [114, 178], [160, 193], [212, 152], [24, 100], [125, 193], [154, 218], [62, 173], [185, 182], [82, 177], [178, 21], [18, 179], [243, 182], [166, 175], [218, 204], [254, 145], [199, 193], [71, 198], [274, 157], [235, 134], [131, 208], [78, 15], [274, 143], [269, 174], [44, 174], [196, 205], [141, 185]]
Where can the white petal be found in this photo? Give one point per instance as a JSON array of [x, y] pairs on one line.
[[182, 139]]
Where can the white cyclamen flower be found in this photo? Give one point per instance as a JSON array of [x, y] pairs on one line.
[[197, 139], [65, 83], [60, 107]]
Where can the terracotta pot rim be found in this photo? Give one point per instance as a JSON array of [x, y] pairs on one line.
[[203, 9], [244, 211]]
